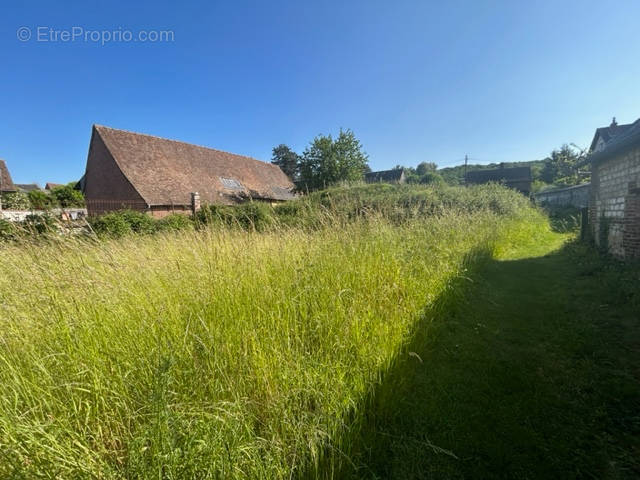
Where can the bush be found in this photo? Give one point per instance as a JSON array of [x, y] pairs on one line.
[[15, 201], [40, 200], [39, 224], [111, 225], [139, 222], [67, 196], [174, 222], [248, 216], [8, 230]]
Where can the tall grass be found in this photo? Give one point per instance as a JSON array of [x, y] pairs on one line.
[[215, 354]]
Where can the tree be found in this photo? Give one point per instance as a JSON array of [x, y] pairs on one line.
[[426, 167], [67, 196], [327, 161], [286, 159], [432, 178], [561, 167]]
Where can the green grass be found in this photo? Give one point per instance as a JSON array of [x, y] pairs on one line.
[[529, 369], [215, 354], [358, 333]]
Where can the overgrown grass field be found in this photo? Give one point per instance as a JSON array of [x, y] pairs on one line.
[[228, 352]]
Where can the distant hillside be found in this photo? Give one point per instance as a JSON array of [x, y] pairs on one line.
[[455, 175]]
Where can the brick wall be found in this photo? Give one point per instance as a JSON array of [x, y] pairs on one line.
[[106, 187], [614, 204]]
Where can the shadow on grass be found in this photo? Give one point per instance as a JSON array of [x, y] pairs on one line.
[[526, 370]]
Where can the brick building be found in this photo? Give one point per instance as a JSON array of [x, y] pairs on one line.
[[614, 203], [161, 176]]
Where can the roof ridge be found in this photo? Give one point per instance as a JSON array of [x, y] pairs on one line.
[[181, 142]]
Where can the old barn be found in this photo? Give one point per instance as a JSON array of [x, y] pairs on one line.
[[161, 176]]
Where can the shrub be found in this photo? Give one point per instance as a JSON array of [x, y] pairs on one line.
[[40, 200], [39, 224], [139, 222], [111, 225], [8, 230], [248, 216], [67, 196], [174, 222], [254, 216], [15, 201]]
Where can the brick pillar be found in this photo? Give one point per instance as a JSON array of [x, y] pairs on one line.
[[195, 202]]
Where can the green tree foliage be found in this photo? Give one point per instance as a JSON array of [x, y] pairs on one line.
[[286, 159], [561, 167], [327, 161], [66, 196], [425, 173], [426, 167]]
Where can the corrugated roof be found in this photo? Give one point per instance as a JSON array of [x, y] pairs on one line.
[[167, 171], [6, 183], [514, 174]]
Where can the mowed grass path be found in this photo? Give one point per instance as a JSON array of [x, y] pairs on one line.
[[533, 371]]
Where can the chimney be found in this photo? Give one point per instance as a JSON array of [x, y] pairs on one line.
[[613, 126], [195, 202]]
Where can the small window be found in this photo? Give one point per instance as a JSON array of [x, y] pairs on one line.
[[231, 183]]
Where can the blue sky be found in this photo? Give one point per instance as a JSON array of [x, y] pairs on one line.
[[416, 81]]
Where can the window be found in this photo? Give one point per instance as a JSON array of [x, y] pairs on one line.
[[231, 183]]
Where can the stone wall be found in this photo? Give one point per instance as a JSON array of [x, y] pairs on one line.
[[614, 204], [577, 196], [65, 214]]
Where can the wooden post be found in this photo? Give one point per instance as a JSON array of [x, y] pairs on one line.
[[584, 223]]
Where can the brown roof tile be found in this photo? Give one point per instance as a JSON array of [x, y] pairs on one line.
[[165, 172], [6, 183]]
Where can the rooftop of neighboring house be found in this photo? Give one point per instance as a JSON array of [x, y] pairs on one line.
[[604, 135], [513, 174], [163, 170], [394, 175], [620, 143], [27, 187], [6, 183]]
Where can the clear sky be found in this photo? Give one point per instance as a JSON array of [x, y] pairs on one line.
[[416, 81]]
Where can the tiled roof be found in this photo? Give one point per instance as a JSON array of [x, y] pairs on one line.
[[27, 187], [6, 183], [163, 170]]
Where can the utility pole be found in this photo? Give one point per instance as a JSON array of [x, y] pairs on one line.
[[466, 161]]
